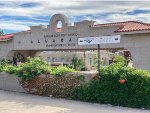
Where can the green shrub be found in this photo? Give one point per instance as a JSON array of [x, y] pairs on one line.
[[119, 59], [60, 86], [61, 70], [78, 63], [3, 64], [10, 69], [123, 86], [51, 85], [33, 68], [1, 68]]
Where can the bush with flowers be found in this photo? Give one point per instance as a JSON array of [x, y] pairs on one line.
[[54, 80], [32, 68], [117, 85]]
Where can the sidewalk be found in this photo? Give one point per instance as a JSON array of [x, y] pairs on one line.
[[13, 102]]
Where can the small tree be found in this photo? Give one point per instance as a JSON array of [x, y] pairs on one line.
[[77, 63], [119, 60], [96, 61], [1, 32], [74, 62]]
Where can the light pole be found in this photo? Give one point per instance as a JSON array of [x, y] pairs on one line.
[[99, 59]]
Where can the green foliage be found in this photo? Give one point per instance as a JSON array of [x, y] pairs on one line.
[[51, 85], [74, 62], [96, 61], [134, 91], [117, 59], [4, 63], [1, 32], [36, 66], [60, 86], [32, 68], [117, 85], [10, 69], [1, 68], [61, 70], [78, 63]]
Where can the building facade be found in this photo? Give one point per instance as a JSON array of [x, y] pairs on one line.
[[135, 37], [65, 57]]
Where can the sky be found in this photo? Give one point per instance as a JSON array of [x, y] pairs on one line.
[[19, 15]]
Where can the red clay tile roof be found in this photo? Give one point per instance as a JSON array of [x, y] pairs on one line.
[[7, 36], [127, 26]]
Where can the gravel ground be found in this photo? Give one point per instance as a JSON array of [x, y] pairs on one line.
[[13, 102]]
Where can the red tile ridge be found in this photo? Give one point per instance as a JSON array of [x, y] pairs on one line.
[[7, 36], [127, 26]]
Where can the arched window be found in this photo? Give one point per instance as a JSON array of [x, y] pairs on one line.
[[58, 26]]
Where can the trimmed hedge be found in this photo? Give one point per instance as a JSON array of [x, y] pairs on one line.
[[51, 85], [120, 86]]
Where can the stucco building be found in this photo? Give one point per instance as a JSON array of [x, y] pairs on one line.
[[65, 57], [135, 37]]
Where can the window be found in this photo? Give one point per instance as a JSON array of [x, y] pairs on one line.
[[62, 59], [49, 59], [53, 59], [59, 26], [91, 61]]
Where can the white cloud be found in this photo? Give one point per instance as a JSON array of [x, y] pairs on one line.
[[18, 25], [70, 8], [117, 11], [13, 26]]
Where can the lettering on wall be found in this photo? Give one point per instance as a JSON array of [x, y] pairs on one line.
[[46, 41], [70, 40], [58, 40], [60, 45], [60, 35]]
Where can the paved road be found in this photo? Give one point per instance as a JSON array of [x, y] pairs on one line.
[[12, 102]]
